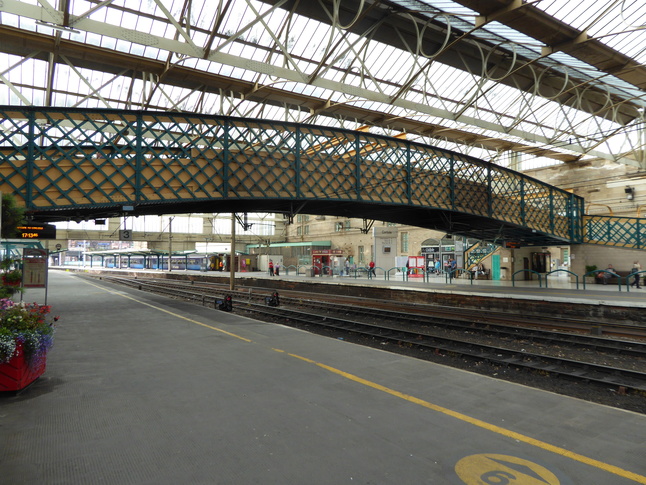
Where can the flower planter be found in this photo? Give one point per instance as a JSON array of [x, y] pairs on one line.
[[18, 373], [10, 282]]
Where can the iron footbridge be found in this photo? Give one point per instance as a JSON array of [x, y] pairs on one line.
[[79, 164]]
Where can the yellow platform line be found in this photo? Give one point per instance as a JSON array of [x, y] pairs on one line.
[[434, 407], [484, 425]]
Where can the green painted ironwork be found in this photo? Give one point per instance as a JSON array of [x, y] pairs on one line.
[[478, 252], [60, 162], [624, 232]]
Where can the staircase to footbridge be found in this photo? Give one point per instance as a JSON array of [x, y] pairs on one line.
[[79, 164]]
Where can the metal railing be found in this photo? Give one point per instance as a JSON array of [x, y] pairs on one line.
[[75, 163]]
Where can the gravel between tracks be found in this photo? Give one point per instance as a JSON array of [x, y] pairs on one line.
[[602, 394]]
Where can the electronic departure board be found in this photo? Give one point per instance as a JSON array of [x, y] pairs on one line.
[[37, 231]]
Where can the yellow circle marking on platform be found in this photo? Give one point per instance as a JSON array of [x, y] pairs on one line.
[[615, 470], [449, 412], [492, 469]]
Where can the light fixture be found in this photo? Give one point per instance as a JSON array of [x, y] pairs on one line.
[[630, 193], [60, 28]]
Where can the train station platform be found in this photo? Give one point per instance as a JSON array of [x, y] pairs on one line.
[[141, 389], [556, 289]]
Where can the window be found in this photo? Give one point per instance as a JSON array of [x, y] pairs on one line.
[[306, 230], [338, 227], [299, 231], [404, 242], [361, 254], [347, 224]]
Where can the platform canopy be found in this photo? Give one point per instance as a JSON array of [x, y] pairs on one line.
[[523, 84]]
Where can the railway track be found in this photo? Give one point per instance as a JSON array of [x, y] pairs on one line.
[[398, 329]]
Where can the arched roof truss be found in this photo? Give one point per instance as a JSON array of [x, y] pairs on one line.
[[548, 80]]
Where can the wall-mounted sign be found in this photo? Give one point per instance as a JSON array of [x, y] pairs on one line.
[[319, 252], [37, 231], [511, 244]]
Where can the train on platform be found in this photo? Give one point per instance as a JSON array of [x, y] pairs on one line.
[[193, 262]]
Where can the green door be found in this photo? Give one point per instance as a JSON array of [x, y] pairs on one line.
[[495, 266]]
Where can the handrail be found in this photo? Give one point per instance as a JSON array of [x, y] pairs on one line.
[[531, 271], [597, 272], [450, 274], [566, 271]]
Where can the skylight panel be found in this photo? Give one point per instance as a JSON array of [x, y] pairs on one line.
[[302, 43], [606, 20], [511, 35]]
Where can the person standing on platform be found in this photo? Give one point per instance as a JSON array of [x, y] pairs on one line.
[[347, 267], [277, 269], [271, 268], [635, 271], [371, 268]]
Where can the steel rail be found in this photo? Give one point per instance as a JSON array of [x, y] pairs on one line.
[[454, 319], [586, 371]]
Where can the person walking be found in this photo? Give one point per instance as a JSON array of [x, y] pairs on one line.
[[635, 272], [371, 269], [277, 269], [271, 268]]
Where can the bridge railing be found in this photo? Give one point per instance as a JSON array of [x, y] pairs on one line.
[[71, 162], [625, 232]]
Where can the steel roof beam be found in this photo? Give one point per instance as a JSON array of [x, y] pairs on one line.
[[91, 57], [401, 32], [559, 37]]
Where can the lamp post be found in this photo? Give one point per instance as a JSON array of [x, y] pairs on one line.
[[232, 261], [170, 243]]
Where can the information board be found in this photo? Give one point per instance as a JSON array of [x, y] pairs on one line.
[[37, 231], [34, 268]]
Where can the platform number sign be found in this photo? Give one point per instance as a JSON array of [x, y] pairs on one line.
[[125, 235], [494, 469]]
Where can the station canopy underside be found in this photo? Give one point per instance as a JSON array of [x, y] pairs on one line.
[[519, 84], [506, 81]]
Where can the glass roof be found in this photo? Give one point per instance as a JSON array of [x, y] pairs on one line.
[[541, 79]]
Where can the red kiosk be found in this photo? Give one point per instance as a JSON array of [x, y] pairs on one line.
[[324, 260]]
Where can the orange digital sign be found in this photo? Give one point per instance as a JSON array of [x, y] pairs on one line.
[[37, 231]]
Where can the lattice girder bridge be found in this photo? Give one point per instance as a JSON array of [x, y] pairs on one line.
[[77, 164]]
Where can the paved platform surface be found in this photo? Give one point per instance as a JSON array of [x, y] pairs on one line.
[[143, 390], [555, 289]]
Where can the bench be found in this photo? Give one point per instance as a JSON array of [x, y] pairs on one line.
[[611, 280], [481, 276]]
